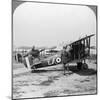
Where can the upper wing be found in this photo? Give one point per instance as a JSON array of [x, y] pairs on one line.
[[81, 39]]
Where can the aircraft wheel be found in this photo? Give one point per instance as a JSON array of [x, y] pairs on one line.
[[84, 66], [33, 70], [79, 65]]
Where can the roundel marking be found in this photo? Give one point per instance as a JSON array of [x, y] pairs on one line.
[[58, 60]]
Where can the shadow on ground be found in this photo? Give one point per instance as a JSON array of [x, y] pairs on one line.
[[71, 68], [44, 70], [86, 72]]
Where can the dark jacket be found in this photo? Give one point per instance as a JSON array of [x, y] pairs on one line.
[[65, 56], [35, 53]]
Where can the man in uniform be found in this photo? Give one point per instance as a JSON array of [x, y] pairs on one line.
[[65, 56], [35, 53]]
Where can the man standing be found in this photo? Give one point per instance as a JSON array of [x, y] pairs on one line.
[[35, 53], [65, 56]]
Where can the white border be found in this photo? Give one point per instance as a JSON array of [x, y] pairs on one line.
[[5, 49]]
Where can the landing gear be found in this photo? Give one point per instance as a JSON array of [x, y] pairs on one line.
[[33, 69], [82, 66], [79, 64]]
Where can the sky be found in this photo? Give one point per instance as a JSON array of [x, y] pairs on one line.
[[43, 24]]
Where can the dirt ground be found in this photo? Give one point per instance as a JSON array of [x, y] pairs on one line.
[[50, 81]]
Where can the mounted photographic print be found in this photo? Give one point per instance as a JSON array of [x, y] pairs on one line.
[[54, 49]]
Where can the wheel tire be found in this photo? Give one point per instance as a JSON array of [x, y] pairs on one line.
[[33, 68], [79, 65], [84, 66], [32, 71]]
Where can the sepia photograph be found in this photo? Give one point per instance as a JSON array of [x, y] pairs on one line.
[[54, 49]]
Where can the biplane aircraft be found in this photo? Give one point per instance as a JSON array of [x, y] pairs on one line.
[[80, 50], [21, 51]]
